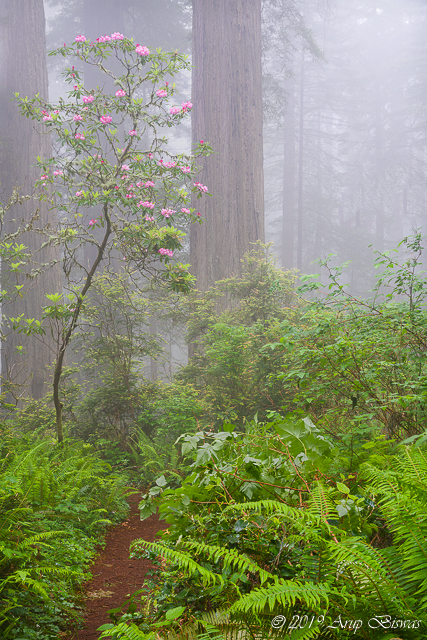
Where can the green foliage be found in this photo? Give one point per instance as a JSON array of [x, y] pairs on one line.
[[54, 505], [228, 327], [342, 553]]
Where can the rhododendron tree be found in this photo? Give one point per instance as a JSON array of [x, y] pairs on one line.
[[105, 160]]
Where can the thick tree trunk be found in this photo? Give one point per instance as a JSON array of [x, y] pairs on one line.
[[227, 99], [23, 70]]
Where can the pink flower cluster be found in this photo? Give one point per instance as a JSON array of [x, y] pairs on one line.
[[79, 194], [149, 218], [79, 136], [146, 204], [167, 213], [169, 165], [117, 36], [185, 169], [132, 132], [149, 183], [120, 93], [80, 38], [88, 99], [106, 119], [184, 210], [125, 167], [103, 39], [92, 222], [174, 110], [200, 187], [186, 106], [141, 50], [44, 177], [77, 118], [161, 93], [58, 173], [166, 252], [47, 118]]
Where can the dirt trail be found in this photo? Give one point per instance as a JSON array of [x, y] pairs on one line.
[[115, 575]]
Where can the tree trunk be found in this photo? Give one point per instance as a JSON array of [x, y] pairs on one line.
[[227, 98], [288, 228], [23, 70]]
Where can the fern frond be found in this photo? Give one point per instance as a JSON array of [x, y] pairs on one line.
[[183, 560], [283, 593], [230, 557]]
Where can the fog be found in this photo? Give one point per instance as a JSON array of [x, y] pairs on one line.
[[359, 176]]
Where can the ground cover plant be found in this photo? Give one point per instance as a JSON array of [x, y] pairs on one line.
[[55, 504]]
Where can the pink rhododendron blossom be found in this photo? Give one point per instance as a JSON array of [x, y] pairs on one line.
[[139, 184], [149, 184], [117, 36], [58, 173], [174, 110], [77, 118], [185, 169], [116, 187], [146, 204], [161, 93], [167, 213], [184, 210], [150, 155], [201, 187], [169, 165], [88, 99], [130, 195], [132, 132], [142, 50], [47, 118], [120, 93], [92, 222], [149, 218], [79, 136], [80, 38], [79, 194], [55, 112], [198, 214], [202, 142], [166, 252], [186, 106], [106, 119], [125, 167], [103, 39]]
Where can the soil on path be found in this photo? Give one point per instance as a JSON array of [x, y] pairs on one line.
[[115, 575]]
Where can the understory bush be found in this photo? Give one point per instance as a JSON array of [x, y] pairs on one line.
[[270, 537]]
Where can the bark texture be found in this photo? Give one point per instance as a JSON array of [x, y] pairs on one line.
[[227, 99], [23, 69]]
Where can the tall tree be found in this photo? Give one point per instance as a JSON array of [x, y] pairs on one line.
[[227, 98], [23, 70]]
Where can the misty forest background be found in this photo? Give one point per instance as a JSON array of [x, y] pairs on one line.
[[265, 389]]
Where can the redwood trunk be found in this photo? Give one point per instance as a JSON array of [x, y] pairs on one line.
[[23, 69], [227, 99]]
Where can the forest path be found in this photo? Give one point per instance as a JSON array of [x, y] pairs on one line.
[[115, 575]]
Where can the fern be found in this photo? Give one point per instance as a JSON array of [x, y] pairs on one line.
[[230, 558], [283, 593], [183, 560]]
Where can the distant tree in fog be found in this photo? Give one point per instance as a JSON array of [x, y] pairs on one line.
[[23, 70]]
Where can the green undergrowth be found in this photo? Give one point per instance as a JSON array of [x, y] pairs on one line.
[[55, 504]]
